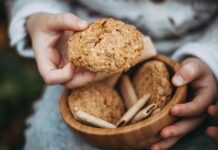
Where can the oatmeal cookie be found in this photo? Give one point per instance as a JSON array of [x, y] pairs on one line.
[[107, 45], [98, 100], [153, 77]]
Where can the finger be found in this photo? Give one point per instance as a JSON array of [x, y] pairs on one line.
[[57, 76], [181, 128], [195, 107], [51, 74], [165, 144], [65, 21], [213, 110], [213, 133], [80, 79], [187, 73]]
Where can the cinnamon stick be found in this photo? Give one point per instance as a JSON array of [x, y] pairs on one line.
[[128, 92], [92, 120], [144, 113], [155, 111], [133, 110]]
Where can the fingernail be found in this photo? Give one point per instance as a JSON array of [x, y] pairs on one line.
[[178, 80], [82, 24], [166, 135], [175, 110], [155, 148]]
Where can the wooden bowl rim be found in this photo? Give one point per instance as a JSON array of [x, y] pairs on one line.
[[69, 119]]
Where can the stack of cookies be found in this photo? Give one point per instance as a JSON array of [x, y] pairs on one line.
[[111, 46]]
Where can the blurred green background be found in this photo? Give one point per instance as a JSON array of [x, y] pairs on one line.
[[20, 86]]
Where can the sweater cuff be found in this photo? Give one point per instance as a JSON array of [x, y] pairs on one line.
[[206, 52], [17, 29]]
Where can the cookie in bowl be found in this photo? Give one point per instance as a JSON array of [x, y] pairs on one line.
[[153, 77], [98, 100]]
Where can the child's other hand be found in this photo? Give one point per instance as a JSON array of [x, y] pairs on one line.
[[213, 131], [49, 33], [201, 79]]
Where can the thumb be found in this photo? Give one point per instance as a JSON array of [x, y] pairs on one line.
[[188, 72], [65, 21]]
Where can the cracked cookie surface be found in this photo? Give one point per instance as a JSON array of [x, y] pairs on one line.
[[107, 45], [153, 77], [97, 100]]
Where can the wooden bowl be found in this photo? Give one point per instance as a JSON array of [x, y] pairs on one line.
[[134, 136]]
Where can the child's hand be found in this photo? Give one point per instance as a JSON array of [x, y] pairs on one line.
[[213, 131], [201, 79], [49, 34]]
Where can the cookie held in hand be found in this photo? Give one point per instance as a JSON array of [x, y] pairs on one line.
[[97, 100], [107, 45], [153, 78]]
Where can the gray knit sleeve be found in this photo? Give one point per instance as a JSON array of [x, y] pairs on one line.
[[19, 10], [206, 48]]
